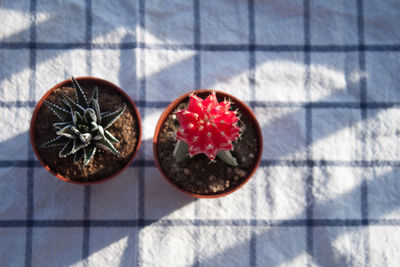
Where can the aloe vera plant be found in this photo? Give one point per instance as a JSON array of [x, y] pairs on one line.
[[207, 127], [82, 127]]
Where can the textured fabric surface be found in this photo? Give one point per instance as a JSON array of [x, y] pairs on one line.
[[321, 76]]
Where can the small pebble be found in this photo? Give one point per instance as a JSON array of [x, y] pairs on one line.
[[212, 178], [240, 172], [236, 177], [229, 170], [186, 171], [227, 183], [212, 186], [251, 155]]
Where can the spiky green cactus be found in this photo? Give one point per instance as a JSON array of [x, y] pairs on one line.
[[82, 127]]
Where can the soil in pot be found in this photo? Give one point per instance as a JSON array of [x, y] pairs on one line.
[[197, 174], [104, 163]]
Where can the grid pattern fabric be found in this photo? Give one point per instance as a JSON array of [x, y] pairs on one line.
[[321, 76]]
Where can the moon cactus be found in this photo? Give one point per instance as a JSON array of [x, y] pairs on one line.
[[207, 127]]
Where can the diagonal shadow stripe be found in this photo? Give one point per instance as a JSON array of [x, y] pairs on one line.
[[267, 228]]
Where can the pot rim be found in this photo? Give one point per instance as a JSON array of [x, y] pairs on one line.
[[93, 80], [242, 106]]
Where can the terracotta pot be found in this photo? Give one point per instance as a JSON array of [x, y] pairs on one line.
[[93, 82], [203, 93]]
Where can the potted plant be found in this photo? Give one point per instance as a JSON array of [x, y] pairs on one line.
[[85, 130], [207, 143]]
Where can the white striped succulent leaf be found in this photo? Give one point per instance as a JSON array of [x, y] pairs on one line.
[[83, 127]]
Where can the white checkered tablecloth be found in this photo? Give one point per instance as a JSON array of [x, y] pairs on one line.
[[323, 78]]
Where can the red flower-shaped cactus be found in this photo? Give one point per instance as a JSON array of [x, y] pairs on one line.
[[207, 126]]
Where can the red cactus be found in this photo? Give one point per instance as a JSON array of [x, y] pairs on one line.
[[207, 126]]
